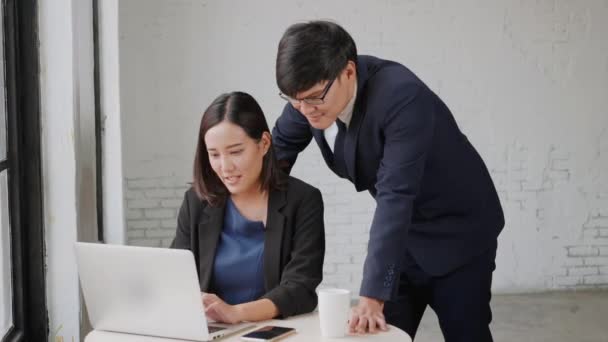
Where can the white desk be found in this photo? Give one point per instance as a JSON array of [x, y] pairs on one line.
[[307, 327]]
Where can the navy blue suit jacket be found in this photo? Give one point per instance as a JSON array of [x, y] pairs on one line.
[[433, 192]]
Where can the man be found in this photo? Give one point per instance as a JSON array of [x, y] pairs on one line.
[[433, 236]]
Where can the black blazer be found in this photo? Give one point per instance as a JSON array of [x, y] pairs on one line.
[[294, 246], [433, 192]]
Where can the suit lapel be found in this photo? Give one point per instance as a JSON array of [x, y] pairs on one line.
[[210, 227], [273, 241], [352, 134]]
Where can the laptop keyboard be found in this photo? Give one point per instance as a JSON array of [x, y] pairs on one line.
[[213, 328]]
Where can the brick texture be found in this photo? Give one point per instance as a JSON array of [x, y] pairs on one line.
[[152, 207]]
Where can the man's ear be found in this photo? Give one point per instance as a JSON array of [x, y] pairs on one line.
[[351, 70]]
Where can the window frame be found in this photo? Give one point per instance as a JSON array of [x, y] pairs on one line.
[[30, 316]]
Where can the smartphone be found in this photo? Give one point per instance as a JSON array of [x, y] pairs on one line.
[[268, 333]]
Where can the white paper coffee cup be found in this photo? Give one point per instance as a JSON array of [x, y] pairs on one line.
[[334, 307]]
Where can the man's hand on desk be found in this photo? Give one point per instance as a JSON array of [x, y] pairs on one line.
[[219, 311], [367, 316]]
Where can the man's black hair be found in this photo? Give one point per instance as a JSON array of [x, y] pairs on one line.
[[310, 53]]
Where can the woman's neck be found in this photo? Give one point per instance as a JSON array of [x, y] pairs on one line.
[[253, 195], [252, 204]]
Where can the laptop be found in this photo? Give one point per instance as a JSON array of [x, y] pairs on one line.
[[145, 291]]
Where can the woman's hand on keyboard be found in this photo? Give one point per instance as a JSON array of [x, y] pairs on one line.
[[219, 311]]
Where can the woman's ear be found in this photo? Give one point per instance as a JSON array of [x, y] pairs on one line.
[[266, 141]]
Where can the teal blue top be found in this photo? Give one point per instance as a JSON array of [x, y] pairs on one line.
[[238, 269]]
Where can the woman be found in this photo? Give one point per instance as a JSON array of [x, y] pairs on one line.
[[257, 235]]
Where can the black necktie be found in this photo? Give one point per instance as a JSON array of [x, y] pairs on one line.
[[339, 163]]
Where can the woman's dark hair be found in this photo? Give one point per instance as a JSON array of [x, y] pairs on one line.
[[242, 110], [312, 52]]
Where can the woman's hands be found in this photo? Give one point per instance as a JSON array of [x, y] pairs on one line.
[[219, 311]]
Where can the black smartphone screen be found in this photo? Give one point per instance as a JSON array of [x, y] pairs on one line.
[[268, 332]]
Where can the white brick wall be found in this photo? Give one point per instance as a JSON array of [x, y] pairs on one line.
[[526, 81], [153, 204], [152, 207]]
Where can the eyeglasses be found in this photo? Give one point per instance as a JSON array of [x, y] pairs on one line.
[[315, 101]]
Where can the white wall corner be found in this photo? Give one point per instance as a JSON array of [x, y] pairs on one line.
[[58, 90], [113, 188]]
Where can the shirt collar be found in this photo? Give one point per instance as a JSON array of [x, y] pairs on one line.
[[347, 114]]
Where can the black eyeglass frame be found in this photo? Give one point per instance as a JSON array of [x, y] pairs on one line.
[[315, 101]]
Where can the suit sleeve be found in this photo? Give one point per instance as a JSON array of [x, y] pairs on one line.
[[408, 132], [182, 238], [290, 136], [303, 273]]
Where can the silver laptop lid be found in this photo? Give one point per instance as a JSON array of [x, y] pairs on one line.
[[142, 290]]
